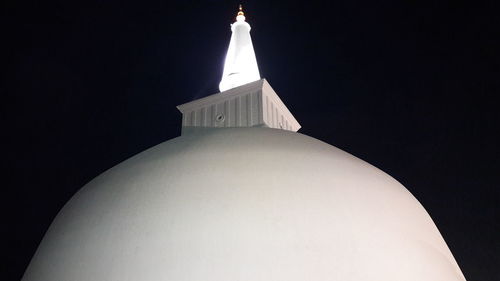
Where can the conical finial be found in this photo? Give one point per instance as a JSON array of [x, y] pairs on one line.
[[241, 15], [240, 66]]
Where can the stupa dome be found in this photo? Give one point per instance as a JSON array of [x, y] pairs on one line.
[[254, 204]]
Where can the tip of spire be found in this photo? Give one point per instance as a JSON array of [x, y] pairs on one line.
[[240, 16]]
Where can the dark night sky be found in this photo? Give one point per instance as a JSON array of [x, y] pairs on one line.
[[408, 87]]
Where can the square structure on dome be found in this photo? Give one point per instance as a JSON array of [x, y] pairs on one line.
[[251, 105]]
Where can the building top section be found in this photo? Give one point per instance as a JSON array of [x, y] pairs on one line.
[[251, 105], [240, 66]]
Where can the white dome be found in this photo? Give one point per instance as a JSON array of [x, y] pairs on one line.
[[251, 204]]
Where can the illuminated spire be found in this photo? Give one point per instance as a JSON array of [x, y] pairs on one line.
[[240, 16], [240, 66]]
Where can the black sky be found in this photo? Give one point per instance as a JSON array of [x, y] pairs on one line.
[[408, 87]]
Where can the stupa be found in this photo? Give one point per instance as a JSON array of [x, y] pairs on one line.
[[240, 195]]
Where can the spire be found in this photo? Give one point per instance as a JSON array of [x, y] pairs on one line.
[[240, 15], [240, 66], [245, 100]]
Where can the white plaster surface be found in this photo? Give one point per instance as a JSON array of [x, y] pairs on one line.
[[250, 105], [252, 204]]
